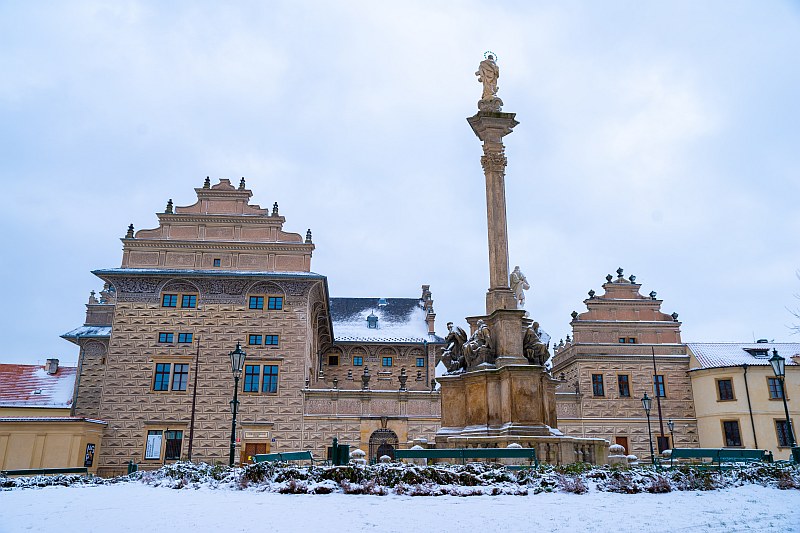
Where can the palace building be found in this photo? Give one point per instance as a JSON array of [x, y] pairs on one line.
[[154, 363]]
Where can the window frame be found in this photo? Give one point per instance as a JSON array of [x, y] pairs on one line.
[[273, 378], [259, 302], [217, 262], [167, 440], [333, 359], [598, 383], [255, 339], [627, 383], [185, 336], [360, 361], [248, 385], [656, 386], [161, 377], [166, 378], [725, 433], [420, 362], [173, 300], [779, 390], [385, 359], [268, 340], [264, 380], [788, 442], [160, 451], [274, 303], [182, 376], [166, 337], [717, 382], [192, 299]]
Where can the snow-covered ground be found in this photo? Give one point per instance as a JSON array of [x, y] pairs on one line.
[[142, 508]]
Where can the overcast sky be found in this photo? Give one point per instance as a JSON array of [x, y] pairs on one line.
[[660, 137]]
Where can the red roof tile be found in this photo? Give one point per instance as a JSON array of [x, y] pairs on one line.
[[32, 386]]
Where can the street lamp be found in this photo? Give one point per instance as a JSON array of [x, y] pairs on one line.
[[647, 403], [237, 363], [671, 427], [779, 367]]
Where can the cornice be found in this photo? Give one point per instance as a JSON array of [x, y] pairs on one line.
[[162, 244], [268, 220]]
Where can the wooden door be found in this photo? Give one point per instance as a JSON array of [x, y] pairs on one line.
[[251, 449], [623, 441]]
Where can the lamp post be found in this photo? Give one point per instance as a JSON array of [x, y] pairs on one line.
[[647, 403], [237, 363], [671, 427], [779, 367]]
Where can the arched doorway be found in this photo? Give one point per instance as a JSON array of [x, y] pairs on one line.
[[382, 442]]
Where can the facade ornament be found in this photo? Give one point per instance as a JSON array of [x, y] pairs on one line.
[[275, 209], [403, 377], [241, 184], [609, 278], [453, 356], [129, 235], [479, 349], [674, 317], [574, 315], [488, 73], [591, 293], [108, 295], [619, 272], [335, 382], [632, 278], [308, 236], [532, 346], [433, 384], [207, 183], [365, 379], [92, 298], [168, 210], [519, 284], [653, 295]]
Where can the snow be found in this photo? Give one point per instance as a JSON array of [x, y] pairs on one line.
[[111, 508]]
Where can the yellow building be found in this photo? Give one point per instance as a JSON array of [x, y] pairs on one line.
[[738, 400]]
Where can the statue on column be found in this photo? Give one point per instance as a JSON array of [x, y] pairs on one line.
[[479, 348], [533, 345], [519, 284], [453, 356], [488, 73]]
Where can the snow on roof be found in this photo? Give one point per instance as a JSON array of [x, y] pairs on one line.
[[32, 386], [88, 332], [399, 320], [218, 273], [722, 354]]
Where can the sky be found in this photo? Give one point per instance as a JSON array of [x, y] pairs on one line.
[[657, 137]]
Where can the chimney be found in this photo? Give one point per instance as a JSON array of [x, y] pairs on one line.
[[52, 366]]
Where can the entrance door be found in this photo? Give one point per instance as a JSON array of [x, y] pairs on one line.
[[622, 441], [382, 442], [251, 449]]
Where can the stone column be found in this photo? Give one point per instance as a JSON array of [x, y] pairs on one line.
[[491, 127]]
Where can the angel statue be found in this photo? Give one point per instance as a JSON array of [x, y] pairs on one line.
[[453, 355], [519, 284]]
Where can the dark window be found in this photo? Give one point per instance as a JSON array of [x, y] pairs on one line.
[[180, 376], [632, 340], [725, 389], [169, 300], [271, 340], [420, 361], [622, 340], [783, 433], [173, 447], [217, 262], [333, 360], [189, 301], [165, 337], [732, 435], [623, 382], [161, 381], [597, 385], [387, 361], [775, 389], [358, 360], [270, 378], [184, 338], [256, 302], [275, 302], [251, 378], [254, 339], [660, 389]]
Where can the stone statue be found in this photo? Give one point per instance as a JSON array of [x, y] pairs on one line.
[[452, 356], [532, 346], [487, 73], [519, 284], [479, 348]]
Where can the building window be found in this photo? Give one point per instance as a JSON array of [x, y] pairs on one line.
[[270, 379], [161, 381], [631, 340], [153, 447], [333, 359], [386, 361], [659, 386], [724, 390], [180, 377], [420, 361], [254, 340], [184, 338], [256, 302], [166, 337], [624, 385], [732, 435], [169, 300], [252, 373], [217, 262], [271, 340], [275, 302], [783, 433], [597, 385], [188, 301], [775, 389], [173, 447], [358, 360], [622, 340]]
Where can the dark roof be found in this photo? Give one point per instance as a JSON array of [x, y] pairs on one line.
[[399, 320]]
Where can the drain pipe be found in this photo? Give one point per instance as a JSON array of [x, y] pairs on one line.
[[750, 407]]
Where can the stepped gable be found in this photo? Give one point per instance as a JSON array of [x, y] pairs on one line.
[[221, 230]]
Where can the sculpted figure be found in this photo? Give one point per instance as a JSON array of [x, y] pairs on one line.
[[535, 350], [519, 284], [487, 73], [479, 349], [452, 356]]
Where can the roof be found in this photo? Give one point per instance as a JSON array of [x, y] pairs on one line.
[[88, 332], [724, 354], [399, 320], [215, 273], [32, 386]]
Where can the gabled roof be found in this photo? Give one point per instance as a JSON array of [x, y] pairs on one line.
[[399, 320], [723, 354], [32, 386]]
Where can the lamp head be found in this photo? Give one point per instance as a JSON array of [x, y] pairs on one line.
[[778, 364]]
